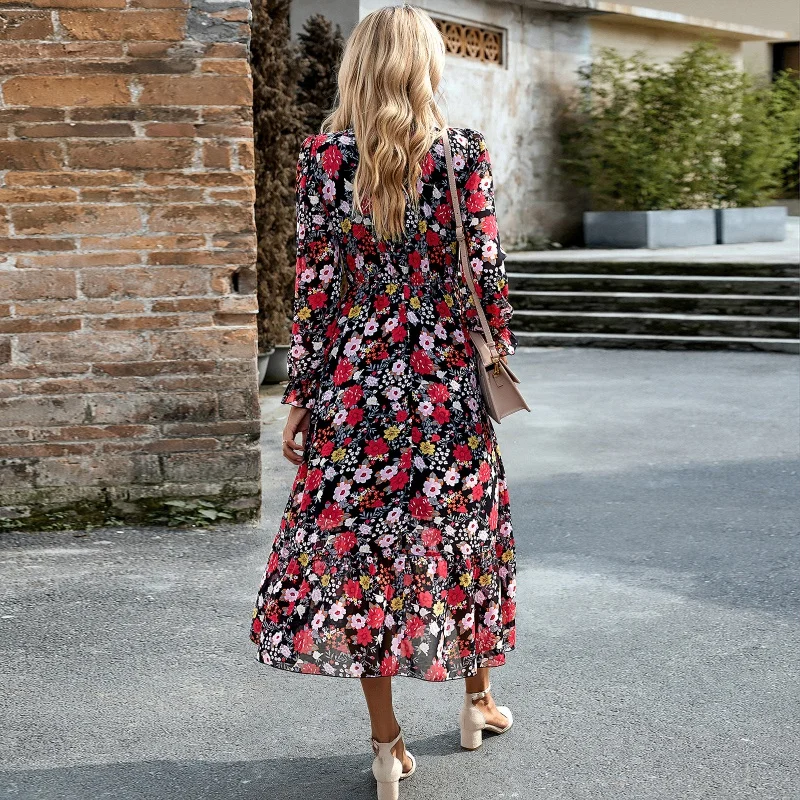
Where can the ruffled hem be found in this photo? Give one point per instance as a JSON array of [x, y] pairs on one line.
[[498, 659]]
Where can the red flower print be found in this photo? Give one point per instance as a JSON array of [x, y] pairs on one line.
[[375, 617], [475, 202], [462, 453], [432, 239], [354, 416], [330, 517], [381, 302], [317, 299], [414, 627], [256, 626], [364, 636], [425, 599], [508, 611], [344, 369], [332, 160], [273, 562], [359, 231], [443, 310], [473, 182], [406, 648], [414, 259], [310, 669], [344, 542], [493, 516], [427, 165], [352, 590], [436, 672], [326, 449], [438, 392], [351, 395], [441, 415], [431, 537], [313, 480], [303, 641], [484, 640], [484, 472], [390, 666], [421, 362], [398, 481], [455, 596], [443, 213], [319, 567], [376, 447], [489, 226], [420, 508]]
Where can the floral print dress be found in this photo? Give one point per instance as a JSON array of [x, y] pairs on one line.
[[395, 554]]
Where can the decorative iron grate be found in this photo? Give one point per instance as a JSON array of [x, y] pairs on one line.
[[470, 41]]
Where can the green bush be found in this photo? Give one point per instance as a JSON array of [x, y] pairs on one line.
[[694, 133]]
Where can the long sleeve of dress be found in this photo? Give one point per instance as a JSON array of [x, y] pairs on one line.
[[485, 254], [317, 282]]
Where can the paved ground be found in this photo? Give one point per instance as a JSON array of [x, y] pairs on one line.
[[785, 252], [655, 501]]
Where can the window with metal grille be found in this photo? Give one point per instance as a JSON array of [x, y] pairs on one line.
[[470, 41]]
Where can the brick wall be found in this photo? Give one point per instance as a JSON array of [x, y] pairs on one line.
[[127, 336]]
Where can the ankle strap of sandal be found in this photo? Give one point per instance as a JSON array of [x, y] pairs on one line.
[[480, 695], [376, 745]]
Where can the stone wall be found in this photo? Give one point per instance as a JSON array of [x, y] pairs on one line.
[[127, 336]]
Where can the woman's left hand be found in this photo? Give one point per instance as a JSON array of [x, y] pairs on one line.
[[297, 423]]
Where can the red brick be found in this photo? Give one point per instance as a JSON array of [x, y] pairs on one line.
[[144, 282], [163, 241], [216, 156], [212, 343], [212, 219], [72, 130], [150, 368], [78, 261], [200, 179], [49, 179], [37, 284], [82, 433], [30, 155], [144, 196], [225, 66], [186, 304], [20, 25], [126, 323], [37, 196], [75, 219], [94, 4], [199, 258], [159, 3], [208, 90], [148, 407], [45, 450], [131, 155], [5, 349], [171, 129], [226, 428], [84, 347], [50, 308], [181, 445], [188, 467], [39, 325], [61, 91], [226, 50], [118, 26]]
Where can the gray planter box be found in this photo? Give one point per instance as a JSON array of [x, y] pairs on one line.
[[278, 368], [739, 225], [650, 228]]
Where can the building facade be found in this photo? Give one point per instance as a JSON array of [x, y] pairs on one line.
[[514, 90]]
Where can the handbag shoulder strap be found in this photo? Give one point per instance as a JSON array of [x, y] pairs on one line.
[[466, 269]]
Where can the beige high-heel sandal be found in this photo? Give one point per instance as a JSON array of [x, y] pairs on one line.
[[388, 769], [473, 723]]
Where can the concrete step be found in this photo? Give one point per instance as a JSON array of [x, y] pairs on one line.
[[678, 283], [675, 303], [617, 340], [655, 324], [533, 264]]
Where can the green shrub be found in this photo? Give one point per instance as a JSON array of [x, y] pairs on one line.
[[694, 133]]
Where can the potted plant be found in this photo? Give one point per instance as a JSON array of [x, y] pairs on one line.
[[663, 148]]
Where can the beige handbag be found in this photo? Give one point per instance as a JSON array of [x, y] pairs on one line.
[[498, 383]]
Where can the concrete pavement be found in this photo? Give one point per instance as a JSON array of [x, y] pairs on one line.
[[655, 504]]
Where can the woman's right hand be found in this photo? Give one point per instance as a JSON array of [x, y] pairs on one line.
[[297, 423]]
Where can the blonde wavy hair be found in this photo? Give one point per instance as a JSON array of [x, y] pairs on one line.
[[390, 72]]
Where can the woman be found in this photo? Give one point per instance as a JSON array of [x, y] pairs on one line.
[[395, 554]]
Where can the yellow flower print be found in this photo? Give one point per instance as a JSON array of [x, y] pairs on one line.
[[325, 580], [438, 608], [303, 559], [338, 454], [428, 448], [414, 302], [449, 300], [485, 579], [255, 611], [507, 556], [391, 433], [422, 226], [365, 581], [354, 312], [397, 603], [346, 225], [473, 442], [304, 313], [391, 288]]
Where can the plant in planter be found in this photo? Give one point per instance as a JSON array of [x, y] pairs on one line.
[[277, 131], [661, 146]]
